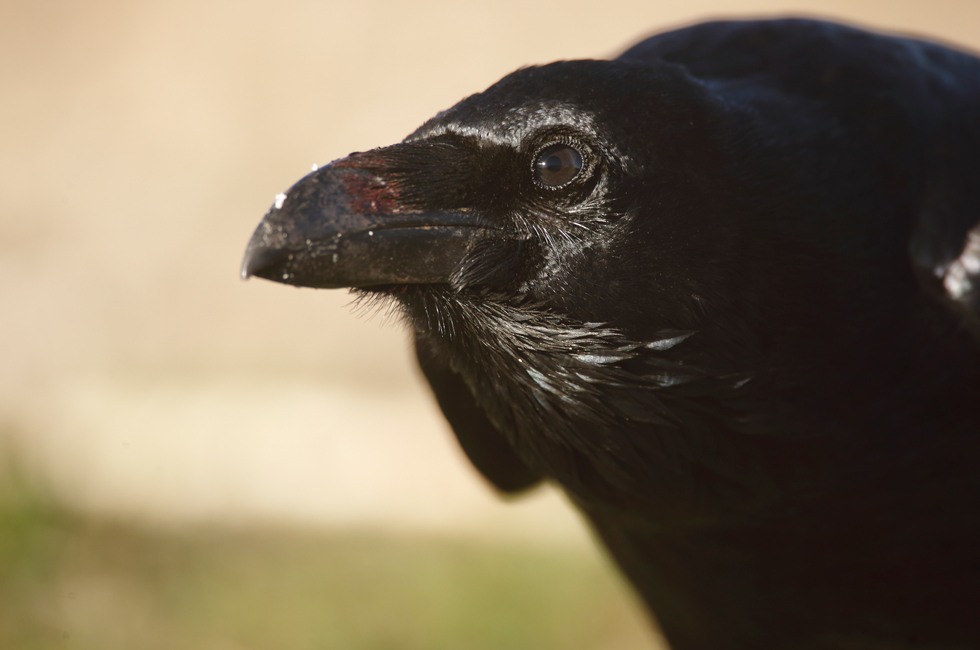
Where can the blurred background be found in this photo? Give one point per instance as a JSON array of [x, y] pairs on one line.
[[191, 461]]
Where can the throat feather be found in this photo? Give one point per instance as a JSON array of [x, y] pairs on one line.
[[557, 388]]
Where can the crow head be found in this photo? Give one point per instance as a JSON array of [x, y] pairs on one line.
[[537, 191]]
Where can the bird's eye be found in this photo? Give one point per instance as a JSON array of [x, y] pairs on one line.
[[557, 165]]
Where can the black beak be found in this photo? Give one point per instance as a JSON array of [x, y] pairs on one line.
[[344, 226]]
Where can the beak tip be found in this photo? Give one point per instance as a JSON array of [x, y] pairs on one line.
[[245, 272], [259, 258]]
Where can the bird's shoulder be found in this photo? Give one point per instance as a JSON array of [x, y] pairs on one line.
[[864, 90], [785, 48]]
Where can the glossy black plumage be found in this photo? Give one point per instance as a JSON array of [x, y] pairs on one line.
[[744, 337]]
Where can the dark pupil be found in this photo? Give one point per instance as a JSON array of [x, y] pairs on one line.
[[558, 165]]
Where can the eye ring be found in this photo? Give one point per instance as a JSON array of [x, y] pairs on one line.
[[557, 165]]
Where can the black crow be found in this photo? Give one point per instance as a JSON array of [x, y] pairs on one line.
[[725, 291]]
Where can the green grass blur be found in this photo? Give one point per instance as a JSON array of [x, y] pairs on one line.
[[68, 581]]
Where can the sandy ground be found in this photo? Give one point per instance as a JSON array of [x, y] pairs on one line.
[[141, 144]]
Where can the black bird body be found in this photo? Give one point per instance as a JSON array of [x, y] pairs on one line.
[[743, 334]]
